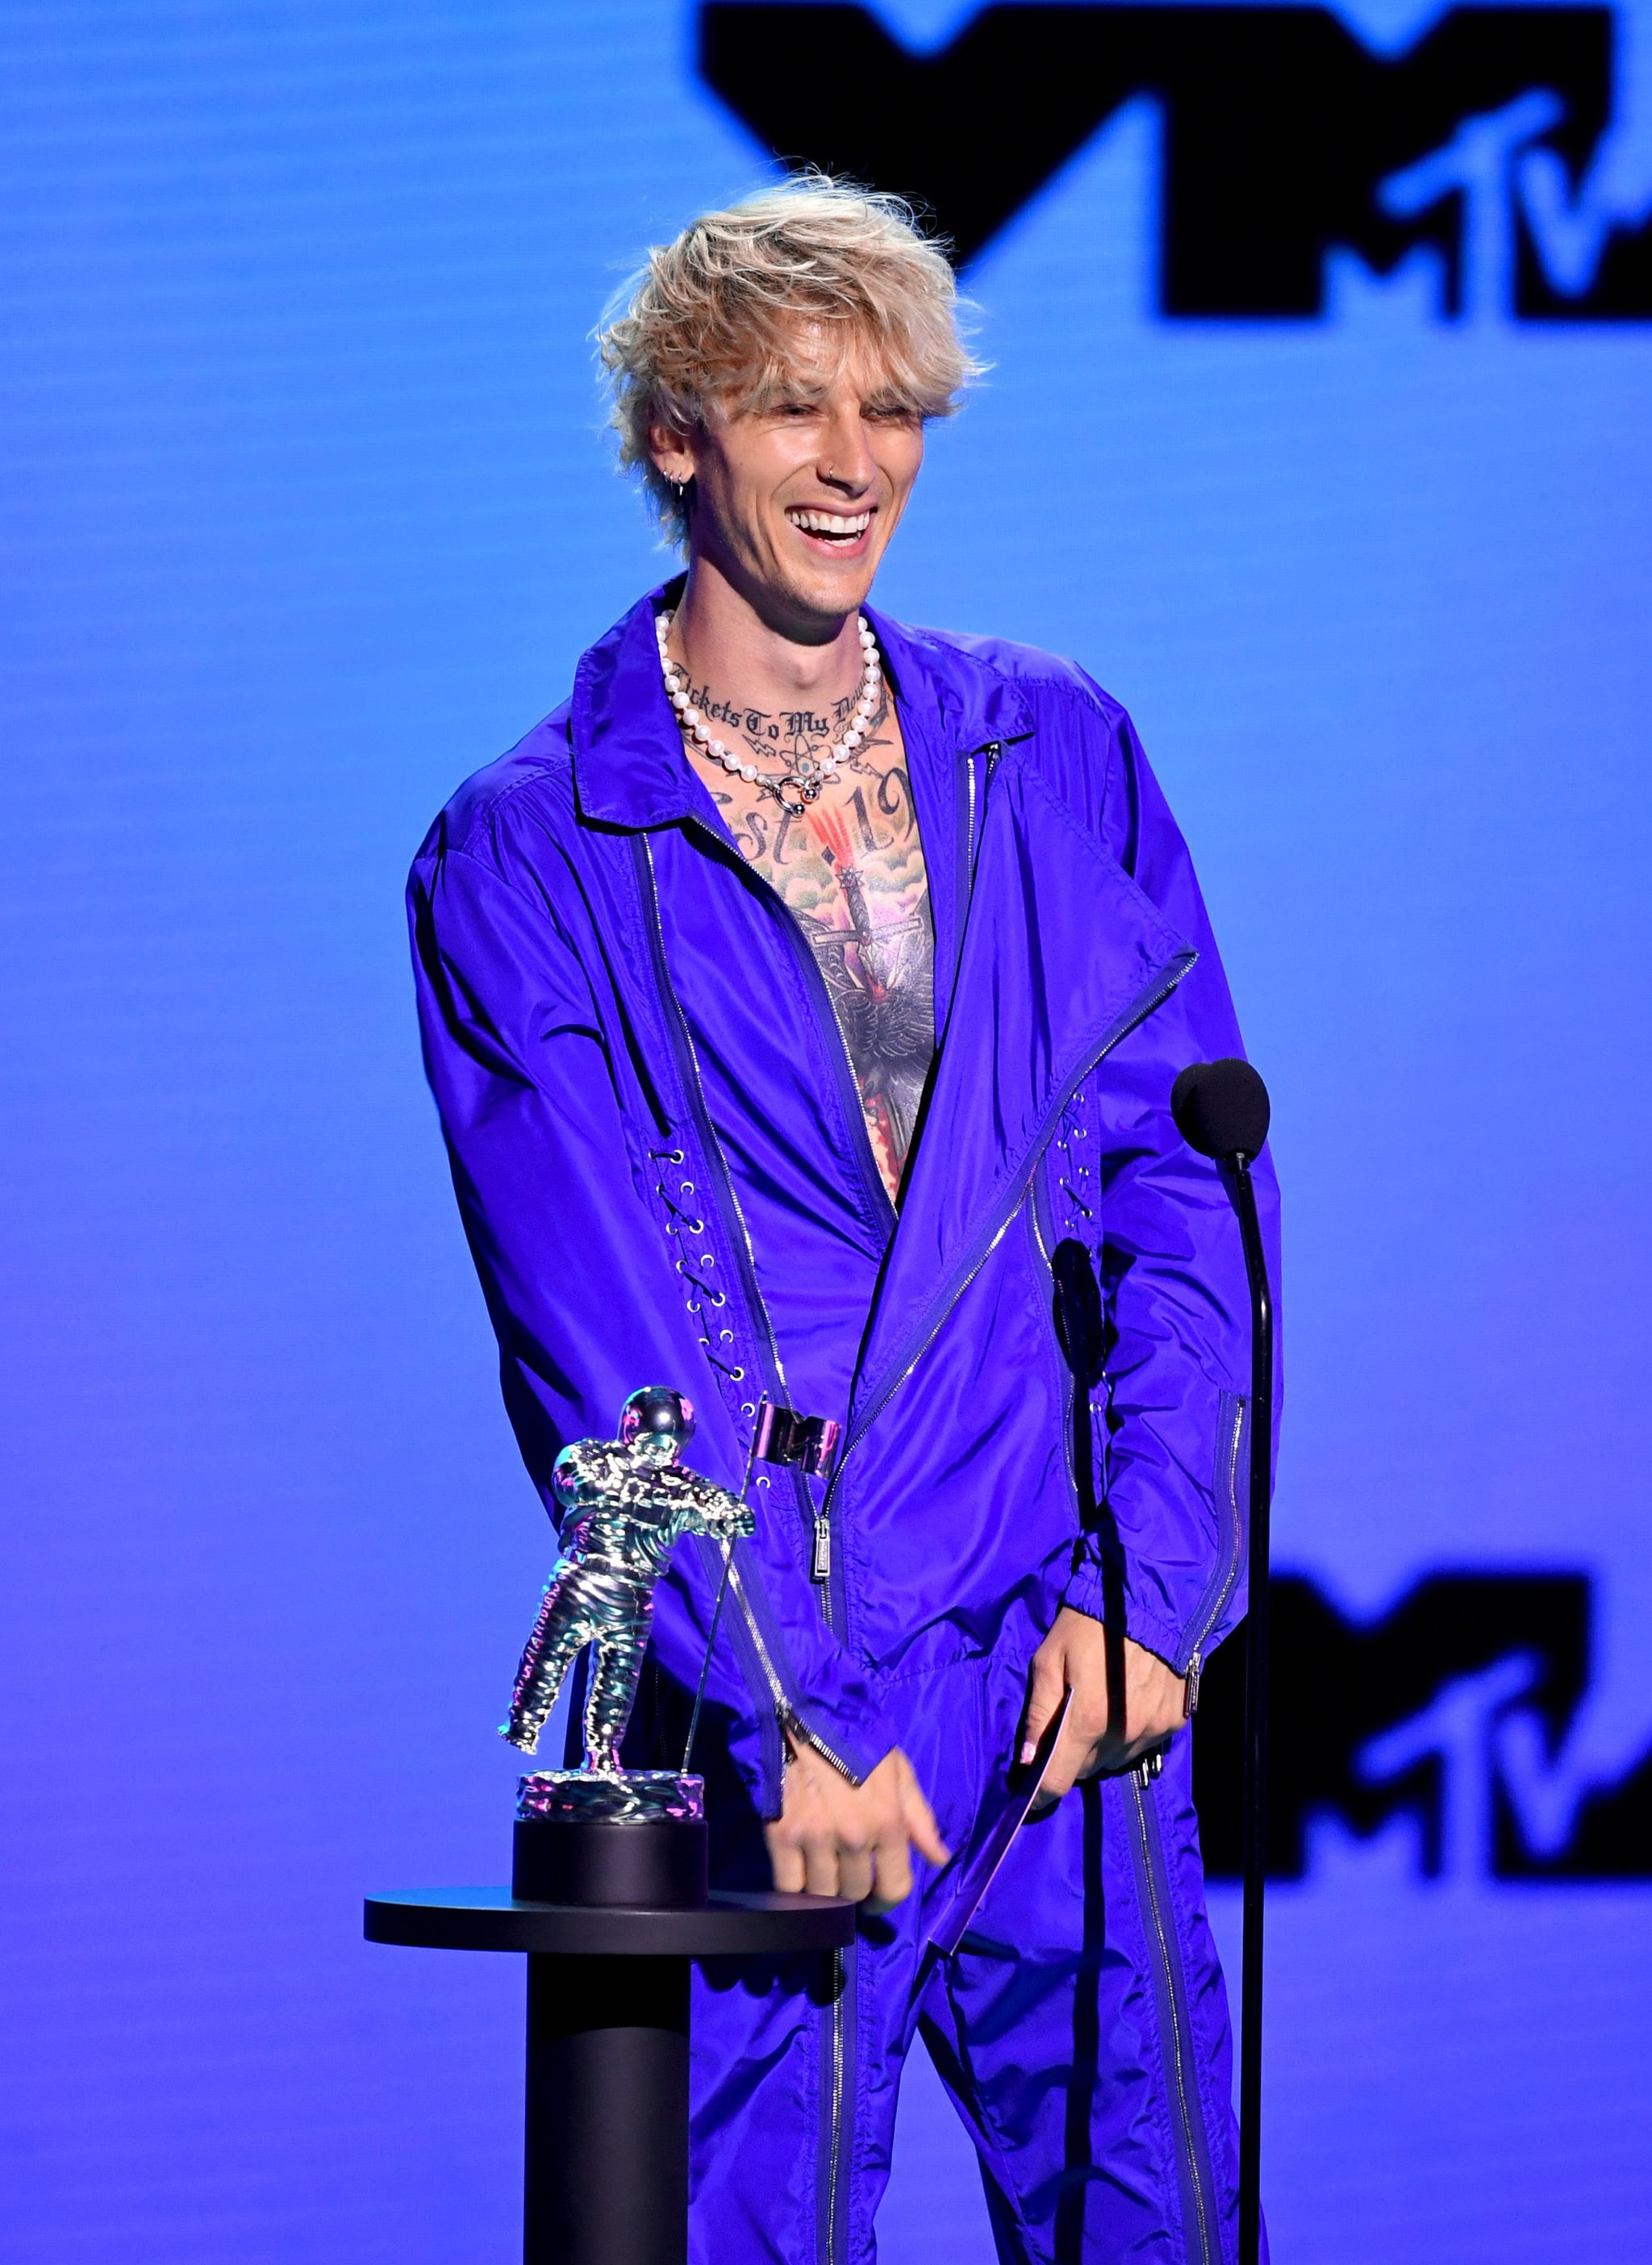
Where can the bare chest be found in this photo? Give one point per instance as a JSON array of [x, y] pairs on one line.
[[849, 868]]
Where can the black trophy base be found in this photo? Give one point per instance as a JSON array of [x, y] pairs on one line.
[[655, 1863]]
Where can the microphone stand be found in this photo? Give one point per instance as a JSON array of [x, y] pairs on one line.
[[1255, 1796]]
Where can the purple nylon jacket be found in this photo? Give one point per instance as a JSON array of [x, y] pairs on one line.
[[662, 1165]]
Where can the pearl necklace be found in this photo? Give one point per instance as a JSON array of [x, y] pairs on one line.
[[809, 774]]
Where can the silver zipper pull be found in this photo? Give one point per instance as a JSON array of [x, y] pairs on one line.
[[1191, 1696], [820, 1568]]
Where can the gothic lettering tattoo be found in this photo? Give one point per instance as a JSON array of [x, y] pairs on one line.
[[770, 739], [850, 871]]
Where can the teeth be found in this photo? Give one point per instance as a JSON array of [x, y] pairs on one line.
[[831, 522]]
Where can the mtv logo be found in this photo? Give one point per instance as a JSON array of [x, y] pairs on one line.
[[1284, 138], [1452, 1708]]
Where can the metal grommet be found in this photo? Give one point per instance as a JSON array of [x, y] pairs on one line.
[[748, 1408], [739, 1375], [725, 1337]]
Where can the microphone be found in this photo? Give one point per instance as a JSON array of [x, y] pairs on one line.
[[1221, 1109]]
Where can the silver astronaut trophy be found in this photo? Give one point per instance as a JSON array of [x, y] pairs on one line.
[[623, 1503]]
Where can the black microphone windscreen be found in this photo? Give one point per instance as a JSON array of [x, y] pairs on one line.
[[1220, 1108]]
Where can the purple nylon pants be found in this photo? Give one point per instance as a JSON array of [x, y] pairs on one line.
[[1082, 2031]]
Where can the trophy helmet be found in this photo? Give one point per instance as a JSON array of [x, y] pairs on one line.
[[664, 1419]]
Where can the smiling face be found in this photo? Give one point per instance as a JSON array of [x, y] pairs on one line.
[[797, 491]]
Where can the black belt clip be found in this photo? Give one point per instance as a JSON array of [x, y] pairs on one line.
[[811, 1442]]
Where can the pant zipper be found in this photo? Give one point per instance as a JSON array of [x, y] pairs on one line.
[[840, 1988], [1180, 2052]]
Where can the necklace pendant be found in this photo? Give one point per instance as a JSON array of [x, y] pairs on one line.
[[776, 787], [809, 775]]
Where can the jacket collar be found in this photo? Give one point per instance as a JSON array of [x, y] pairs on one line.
[[630, 769], [628, 765], [948, 691]]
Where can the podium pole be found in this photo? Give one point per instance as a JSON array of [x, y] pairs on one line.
[[607, 2136], [606, 2170]]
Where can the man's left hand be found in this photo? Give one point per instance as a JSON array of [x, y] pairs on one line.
[[1126, 1702]]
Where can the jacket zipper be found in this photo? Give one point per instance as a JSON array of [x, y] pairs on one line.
[[1178, 2049], [853, 1107], [1196, 1658], [1143, 1004], [785, 1712], [689, 1069], [884, 1397], [822, 1557], [853, 1111]]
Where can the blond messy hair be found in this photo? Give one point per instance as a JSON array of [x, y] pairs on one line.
[[711, 321]]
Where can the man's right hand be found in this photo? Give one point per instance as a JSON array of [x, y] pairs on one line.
[[835, 1838], [1126, 1702]]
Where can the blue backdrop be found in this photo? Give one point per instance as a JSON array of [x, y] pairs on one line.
[[307, 513]]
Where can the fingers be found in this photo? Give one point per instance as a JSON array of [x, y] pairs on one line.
[[891, 1851], [917, 1818], [1126, 1702], [824, 1864], [835, 1839], [893, 1882], [785, 1862], [813, 1864], [809, 1853], [1075, 1753], [912, 1826], [857, 1863], [1043, 1696], [1067, 1662]]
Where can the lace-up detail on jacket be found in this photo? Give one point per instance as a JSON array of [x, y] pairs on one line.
[[1074, 1171], [702, 1268]]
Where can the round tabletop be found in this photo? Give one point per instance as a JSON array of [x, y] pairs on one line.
[[728, 1926]]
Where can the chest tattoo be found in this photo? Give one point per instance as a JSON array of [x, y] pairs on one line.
[[850, 871]]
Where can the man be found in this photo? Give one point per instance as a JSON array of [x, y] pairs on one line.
[[797, 997]]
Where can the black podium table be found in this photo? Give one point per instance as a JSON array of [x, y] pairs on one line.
[[607, 2167]]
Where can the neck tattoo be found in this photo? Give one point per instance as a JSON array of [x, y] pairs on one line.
[[807, 771]]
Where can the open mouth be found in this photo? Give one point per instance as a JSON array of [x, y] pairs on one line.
[[832, 531]]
